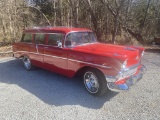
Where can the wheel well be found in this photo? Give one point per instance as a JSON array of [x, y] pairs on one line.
[[22, 56], [81, 71]]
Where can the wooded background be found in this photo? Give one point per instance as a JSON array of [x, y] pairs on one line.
[[116, 21]]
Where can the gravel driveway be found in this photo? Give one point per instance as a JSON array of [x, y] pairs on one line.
[[43, 95]]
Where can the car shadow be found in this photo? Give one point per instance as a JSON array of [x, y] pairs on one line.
[[51, 88]]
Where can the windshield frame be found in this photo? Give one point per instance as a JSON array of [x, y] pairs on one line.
[[79, 32]]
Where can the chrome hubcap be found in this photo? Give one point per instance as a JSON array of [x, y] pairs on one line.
[[91, 82], [27, 63]]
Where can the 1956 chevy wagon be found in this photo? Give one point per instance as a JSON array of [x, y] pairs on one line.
[[69, 51]]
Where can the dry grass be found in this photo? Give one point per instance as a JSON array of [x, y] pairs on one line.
[[6, 48], [5, 51]]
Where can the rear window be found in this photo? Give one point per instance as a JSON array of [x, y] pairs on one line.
[[39, 38], [27, 38]]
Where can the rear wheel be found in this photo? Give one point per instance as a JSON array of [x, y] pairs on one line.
[[27, 63], [95, 82]]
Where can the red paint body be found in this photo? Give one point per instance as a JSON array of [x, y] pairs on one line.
[[67, 61]]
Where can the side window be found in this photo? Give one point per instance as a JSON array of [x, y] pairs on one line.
[[27, 38], [53, 39], [39, 38]]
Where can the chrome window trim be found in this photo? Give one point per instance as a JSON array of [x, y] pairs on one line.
[[102, 66], [42, 33], [74, 32], [45, 45], [56, 33], [52, 46], [40, 44]]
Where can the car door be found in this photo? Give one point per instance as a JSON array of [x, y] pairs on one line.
[[55, 57], [37, 50]]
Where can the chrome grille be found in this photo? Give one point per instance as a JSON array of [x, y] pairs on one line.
[[129, 72]]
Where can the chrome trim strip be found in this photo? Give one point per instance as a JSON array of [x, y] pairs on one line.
[[50, 33], [102, 66], [90, 63], [42, 54], [131, 67], [54, 56]]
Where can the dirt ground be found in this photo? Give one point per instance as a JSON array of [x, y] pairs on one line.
[[44, 95]]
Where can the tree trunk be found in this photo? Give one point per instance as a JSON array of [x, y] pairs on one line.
[[94, 21], [115, 29]]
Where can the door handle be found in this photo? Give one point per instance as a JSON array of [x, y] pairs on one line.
[[45, 47]]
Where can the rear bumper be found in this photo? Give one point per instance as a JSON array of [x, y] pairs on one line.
[[128, 82]]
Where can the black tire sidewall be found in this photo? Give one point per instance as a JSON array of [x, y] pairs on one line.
[[100, 79], [31, 67]]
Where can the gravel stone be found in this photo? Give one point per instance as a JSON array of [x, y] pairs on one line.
[[44, 95]]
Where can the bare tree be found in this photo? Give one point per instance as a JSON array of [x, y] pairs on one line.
[[109, 19]]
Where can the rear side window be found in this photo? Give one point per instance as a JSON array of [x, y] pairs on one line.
[[27, 38], [39, 38], [53, 39]]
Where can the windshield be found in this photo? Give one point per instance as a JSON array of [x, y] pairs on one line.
[[79, 38]]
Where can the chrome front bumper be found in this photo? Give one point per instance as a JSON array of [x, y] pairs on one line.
[[129, 81]]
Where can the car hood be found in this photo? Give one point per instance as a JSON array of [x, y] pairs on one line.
[[109, 50]]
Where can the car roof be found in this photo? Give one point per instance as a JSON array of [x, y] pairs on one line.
[[64, 30]]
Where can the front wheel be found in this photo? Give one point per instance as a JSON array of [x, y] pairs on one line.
[[95, 82]]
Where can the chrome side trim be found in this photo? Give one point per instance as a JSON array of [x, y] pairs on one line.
[[89, 63], [41, 54], [102, 66], [54, 56]]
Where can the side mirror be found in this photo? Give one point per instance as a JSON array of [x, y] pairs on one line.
[[59, 44]]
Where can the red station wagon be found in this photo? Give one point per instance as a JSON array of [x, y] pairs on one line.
[[69, 51]]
